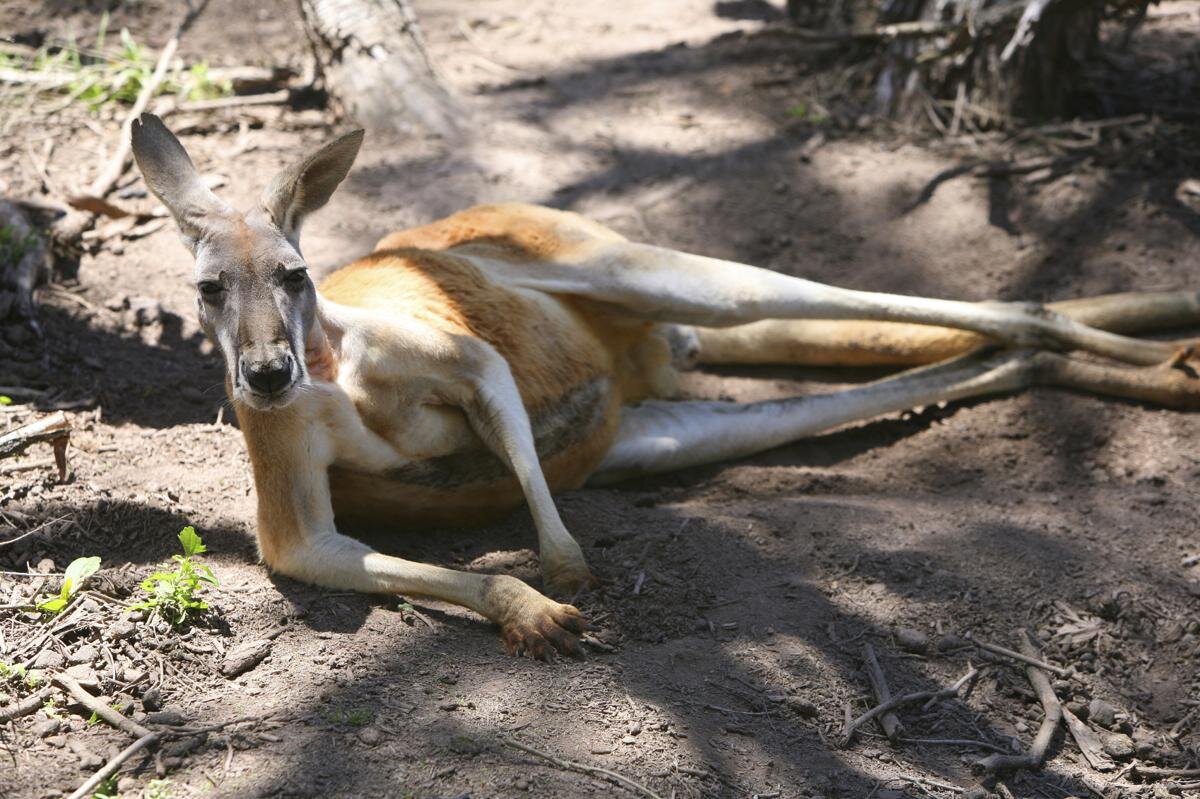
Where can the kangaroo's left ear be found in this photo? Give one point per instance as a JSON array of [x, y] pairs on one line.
[[306, 185]]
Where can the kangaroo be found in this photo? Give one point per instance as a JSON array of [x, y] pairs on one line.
[[511, 351]]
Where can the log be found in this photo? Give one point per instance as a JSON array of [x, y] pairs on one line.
[[372, 60]]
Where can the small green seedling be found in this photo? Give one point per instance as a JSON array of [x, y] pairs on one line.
[[350, 716], [79, 570], [5, 400], [173, 595]]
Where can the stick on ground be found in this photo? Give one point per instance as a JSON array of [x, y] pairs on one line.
[[1036, 756], [26, 706], [102, 710], [53, 429], [890, 722], [110, 768], [906, 699], [1018, 656], [571, 765]]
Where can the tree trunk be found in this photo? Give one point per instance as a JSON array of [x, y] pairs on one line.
[[984, 62], [372, 58]]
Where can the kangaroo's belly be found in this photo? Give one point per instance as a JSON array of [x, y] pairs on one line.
[[473, 486]]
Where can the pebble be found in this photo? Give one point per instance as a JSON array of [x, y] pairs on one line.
[[120, 629], [949, 642], [46, 727], [1102, 713], [84, 654], [628, 739], [82, 673], [48, 659], [245, 656], [1118, 745], [635, 728], [152, 699], [370, 736], [912, 640], [172, 718]]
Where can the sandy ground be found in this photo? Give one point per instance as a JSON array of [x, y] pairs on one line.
[[736, 599]]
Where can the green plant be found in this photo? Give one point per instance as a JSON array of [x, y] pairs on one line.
[[5, 400], [158, 789], [98, 76], [107, 789], [173, 595], [79, 570], [350, 716]]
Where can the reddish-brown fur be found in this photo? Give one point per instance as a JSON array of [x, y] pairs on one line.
[[552, 345]]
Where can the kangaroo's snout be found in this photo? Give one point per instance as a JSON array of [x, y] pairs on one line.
[[268, 376]]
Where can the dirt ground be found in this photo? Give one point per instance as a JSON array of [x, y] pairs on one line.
[[736, 599]]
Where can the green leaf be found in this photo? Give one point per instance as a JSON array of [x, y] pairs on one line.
[[5, 400], [79, 570], [191, 542], [799, 110], [53, 605], [206, 574]]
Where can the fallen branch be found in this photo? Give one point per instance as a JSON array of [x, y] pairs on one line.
[[111, 766], [26, 706], [53, 429], [953, 742], [273, 98], [1026, 659], [571, 765], [890, 722], [1157, 773], [1036, 756], [852, 725], [101, 710]]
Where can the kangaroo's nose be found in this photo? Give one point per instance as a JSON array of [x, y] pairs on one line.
[[268, 377]]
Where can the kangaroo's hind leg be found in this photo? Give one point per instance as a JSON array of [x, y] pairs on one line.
[[824, 342], [664, 436], [657, 284]]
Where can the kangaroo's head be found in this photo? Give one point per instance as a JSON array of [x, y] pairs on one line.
[[254, 295]]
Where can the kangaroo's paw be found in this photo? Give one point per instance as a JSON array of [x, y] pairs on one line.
[[568, 580], [534, 625]]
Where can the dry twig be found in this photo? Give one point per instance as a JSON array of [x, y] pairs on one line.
[[1036, 756], [906, 699], [571, 765], [1023, 658], [890, 722], [53, 429], [102, 710], [26, 706], [110, 768]]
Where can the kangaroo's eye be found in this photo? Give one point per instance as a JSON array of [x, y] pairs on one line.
[[211, 290], [296, 279]]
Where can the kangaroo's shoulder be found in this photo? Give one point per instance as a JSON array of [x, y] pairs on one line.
[[511, 230]]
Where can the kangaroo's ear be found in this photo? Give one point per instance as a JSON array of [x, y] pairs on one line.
[[171, 176], [308, 184]]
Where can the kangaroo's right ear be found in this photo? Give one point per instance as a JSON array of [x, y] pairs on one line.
[[171, 176]]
